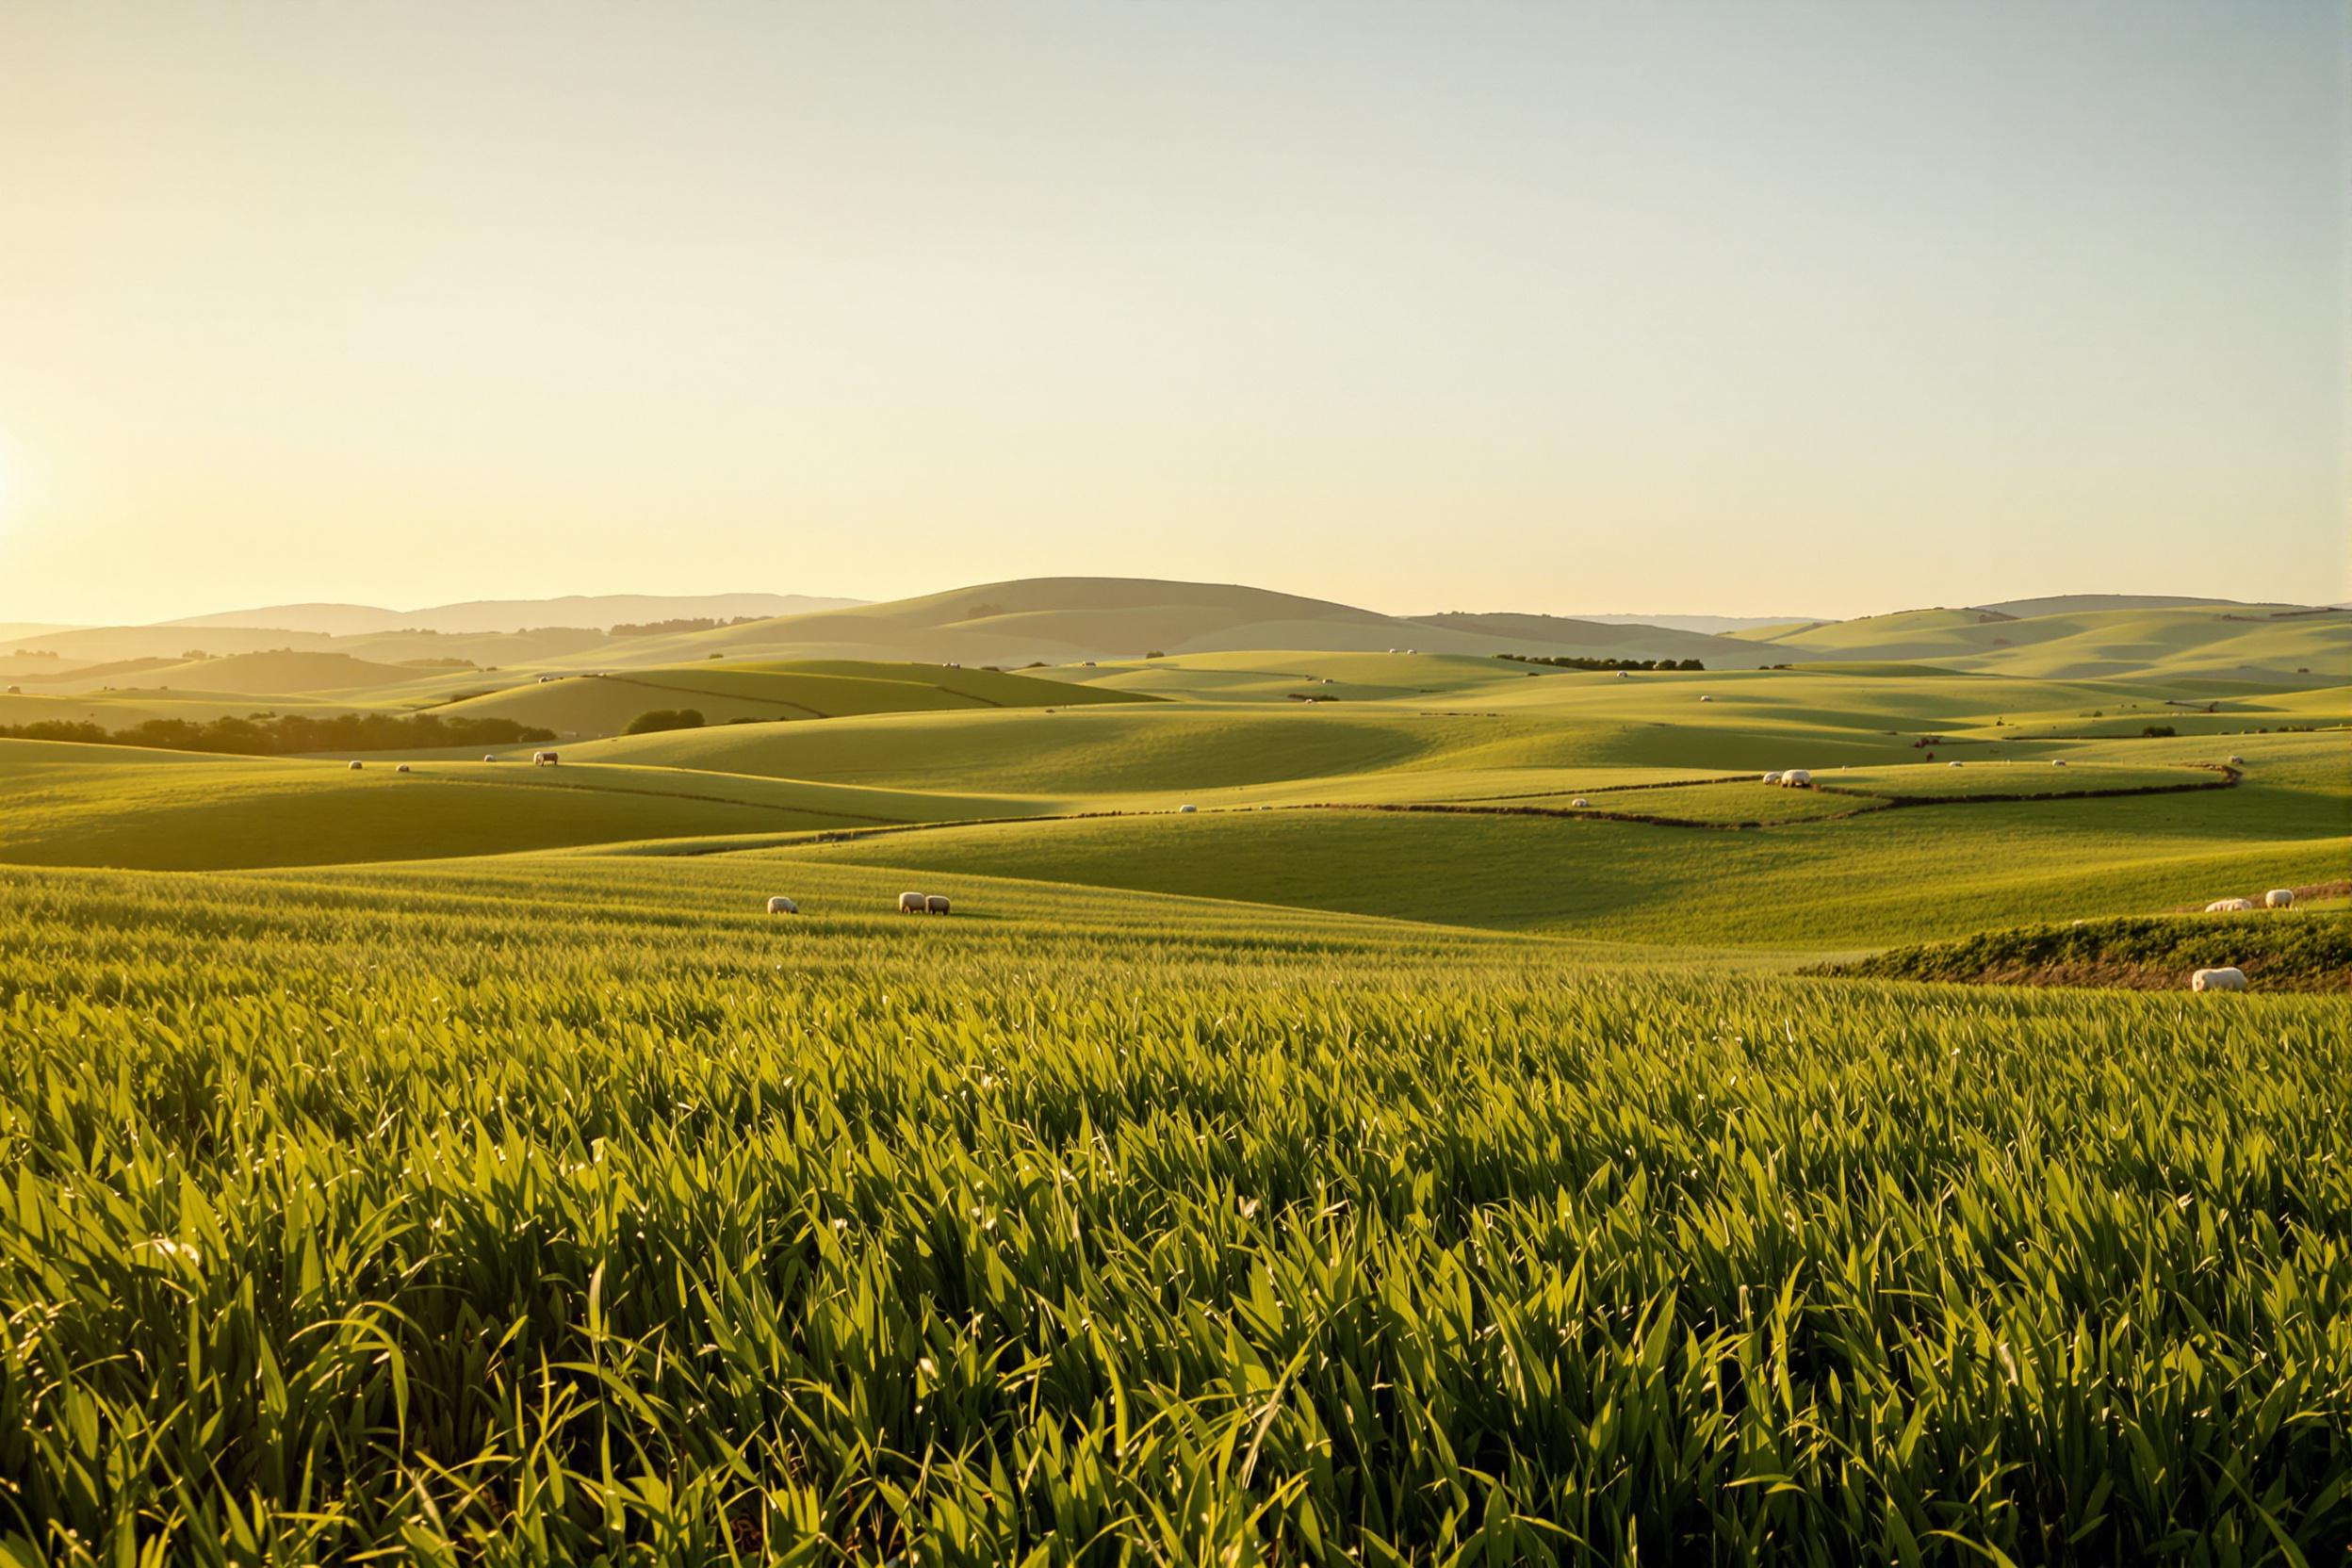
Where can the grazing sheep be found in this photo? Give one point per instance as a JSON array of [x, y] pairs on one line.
[[489, 757], [936, 905], [1625, 675], [1771, 777], [546, 679], [1951, 764], [355, 767], [2229, 905], [2237, 761], [403, 768], [2057, 762], [1706, 699], [779, 904], [912, 903], [542, 759], [2279, 898], [1580, 803], [1796, 778], [2217, 980], [1187, 809]]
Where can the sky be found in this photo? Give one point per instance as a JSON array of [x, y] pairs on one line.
[[1734, 307]]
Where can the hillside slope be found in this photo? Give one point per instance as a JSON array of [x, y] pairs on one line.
[[604, 703], [278, 672]]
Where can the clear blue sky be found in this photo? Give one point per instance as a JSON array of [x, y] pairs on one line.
[[1724, 307]]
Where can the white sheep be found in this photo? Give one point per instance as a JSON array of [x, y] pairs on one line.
[[936, 905], [355, 767], [2237, 761], [403, 768], [2279, 898], [912, 903], [1796, 778], [779, 904], [2229, 905], [488, 757], [542, 759], [1580, 803], [1771, 777], [1704, 698], [1187, 809], [2217, 980], [1951, 764], [2057, 762]]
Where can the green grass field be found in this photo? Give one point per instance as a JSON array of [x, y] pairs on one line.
[[1387, 1161]]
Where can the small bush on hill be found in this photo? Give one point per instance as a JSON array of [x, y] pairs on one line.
[[2278, 952], [653, 721]]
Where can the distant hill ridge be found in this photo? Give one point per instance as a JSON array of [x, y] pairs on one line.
[[1071, 620], [598, 611]]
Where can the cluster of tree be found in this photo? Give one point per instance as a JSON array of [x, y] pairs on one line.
[[290, 734], [654, 720], [684, 623], [1565, 661]]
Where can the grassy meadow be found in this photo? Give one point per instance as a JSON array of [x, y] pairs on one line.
[[1389, 1160]]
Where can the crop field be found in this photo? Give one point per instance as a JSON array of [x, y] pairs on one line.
[[570, 1209], [1387, 1161]]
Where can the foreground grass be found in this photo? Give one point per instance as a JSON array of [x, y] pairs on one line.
[[565, 1210]]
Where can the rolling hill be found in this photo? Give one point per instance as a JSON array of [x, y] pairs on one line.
[[1071, 619], [2263, 643]]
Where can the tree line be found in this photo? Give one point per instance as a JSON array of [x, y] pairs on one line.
[[1568, 662], [290, 734]]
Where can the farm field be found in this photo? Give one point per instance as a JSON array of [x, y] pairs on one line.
[[573, 1200], [1386, 1160]]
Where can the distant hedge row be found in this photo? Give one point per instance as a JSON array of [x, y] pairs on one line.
[[284, 734], [1566, 661]]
